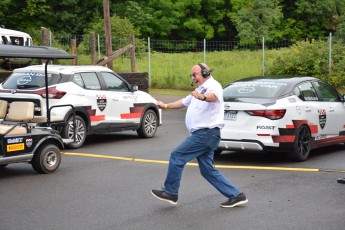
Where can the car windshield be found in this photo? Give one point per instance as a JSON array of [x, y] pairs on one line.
[[253, 89], [29, 80]]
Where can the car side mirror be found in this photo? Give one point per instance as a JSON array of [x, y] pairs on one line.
[[133, 88]]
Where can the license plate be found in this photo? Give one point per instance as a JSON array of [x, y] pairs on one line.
[[230, 115]]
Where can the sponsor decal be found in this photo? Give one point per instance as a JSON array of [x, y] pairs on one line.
[[130, 97], [246, 90], [15, 140], [28, 142], [101, 102], [320, 137], [322, 117], [24, 80], [265, 127], [15, 147]]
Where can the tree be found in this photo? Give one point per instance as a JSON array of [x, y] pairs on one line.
[[256, 19], [176, 20], [120, 28], [138, 13], [341, 28], [63, 16], [311, 19]]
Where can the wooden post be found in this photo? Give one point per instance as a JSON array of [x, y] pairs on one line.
[[116, 54], [108, 40], [132, 52], [74, 50], [93, 48], [45, 40], [45, 36]]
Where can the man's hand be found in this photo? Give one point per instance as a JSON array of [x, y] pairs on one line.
[[197, 95], [161, 104], [172, 105]]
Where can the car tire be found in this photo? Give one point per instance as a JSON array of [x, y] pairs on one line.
[[46, 159], [80, 132], [148, 126], [302, 144]]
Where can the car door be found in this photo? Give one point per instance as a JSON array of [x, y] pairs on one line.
[[334, 108], [319, 113], [91, 95], [122, 100]]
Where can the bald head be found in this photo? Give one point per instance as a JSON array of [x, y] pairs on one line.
[[200, 73]]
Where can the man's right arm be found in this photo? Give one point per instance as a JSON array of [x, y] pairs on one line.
[[172, 105]]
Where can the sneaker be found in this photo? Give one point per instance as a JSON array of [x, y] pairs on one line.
[[161, 195], [341, 180], [234, 201]]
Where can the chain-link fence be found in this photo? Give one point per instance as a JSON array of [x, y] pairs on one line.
[[168, 62]]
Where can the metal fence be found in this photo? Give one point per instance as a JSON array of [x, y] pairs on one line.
[[148, 60]]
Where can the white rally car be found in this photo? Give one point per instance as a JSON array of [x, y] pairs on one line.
[[293, 115], [103, 102]]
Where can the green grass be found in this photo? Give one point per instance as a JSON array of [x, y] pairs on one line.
[[170, 92], [171, 70]]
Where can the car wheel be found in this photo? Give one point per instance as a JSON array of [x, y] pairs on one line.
[[80, 132], [148, 126], [301, 148], [46, 159]]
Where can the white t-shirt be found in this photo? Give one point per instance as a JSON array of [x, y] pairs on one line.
[[203, 114]]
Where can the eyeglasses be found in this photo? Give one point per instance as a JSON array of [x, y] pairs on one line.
[[194, 74]]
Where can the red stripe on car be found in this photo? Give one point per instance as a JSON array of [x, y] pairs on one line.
[[130, 115], [97, 118], [279, 139]]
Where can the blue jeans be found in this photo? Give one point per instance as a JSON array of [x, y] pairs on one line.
[[201, 145]]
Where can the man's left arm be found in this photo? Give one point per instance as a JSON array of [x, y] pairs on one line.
[[209, 97]]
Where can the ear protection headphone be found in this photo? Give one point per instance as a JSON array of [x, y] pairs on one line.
[[205, 72]]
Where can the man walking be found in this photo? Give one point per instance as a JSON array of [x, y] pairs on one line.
[[204, 119]]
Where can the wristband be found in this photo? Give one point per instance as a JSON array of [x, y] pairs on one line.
[[165, 106]]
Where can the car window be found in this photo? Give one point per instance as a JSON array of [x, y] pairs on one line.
[[260, 89], [114, 83], [78, 80], [327, 93], [4, 40], [87, 81], [29, 80], [306, 92]]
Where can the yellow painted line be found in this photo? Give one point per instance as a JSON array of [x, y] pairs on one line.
[[195, 164]]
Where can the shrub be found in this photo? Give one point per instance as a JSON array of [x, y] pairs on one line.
[[311, 58]]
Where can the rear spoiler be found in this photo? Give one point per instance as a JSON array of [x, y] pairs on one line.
[[34, 52]]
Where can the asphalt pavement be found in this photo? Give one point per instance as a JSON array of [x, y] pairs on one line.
[[106, 184]]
